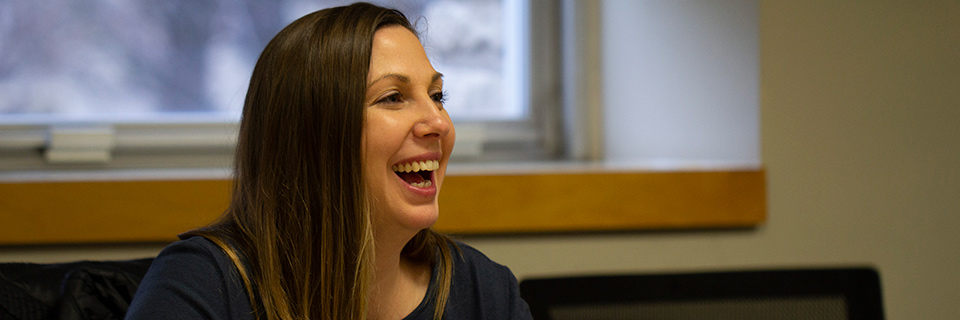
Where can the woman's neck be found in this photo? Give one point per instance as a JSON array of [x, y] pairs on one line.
[[399, 284]]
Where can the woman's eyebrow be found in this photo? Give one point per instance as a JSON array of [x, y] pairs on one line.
[[399, 77], [404, 78]]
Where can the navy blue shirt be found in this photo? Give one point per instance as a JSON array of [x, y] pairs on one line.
[[194, 279]]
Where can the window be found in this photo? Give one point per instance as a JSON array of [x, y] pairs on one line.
[[101, 85], [115, 85]]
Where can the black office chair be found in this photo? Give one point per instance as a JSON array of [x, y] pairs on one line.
[[840, 293]]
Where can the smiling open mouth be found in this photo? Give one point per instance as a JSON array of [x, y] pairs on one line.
[[417, 173]]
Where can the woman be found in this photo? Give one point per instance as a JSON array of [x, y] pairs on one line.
[[342, 151]]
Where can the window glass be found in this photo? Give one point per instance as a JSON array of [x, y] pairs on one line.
[[103, 61]]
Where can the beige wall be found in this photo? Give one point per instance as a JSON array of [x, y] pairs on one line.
[[860, 131], [860, 104]]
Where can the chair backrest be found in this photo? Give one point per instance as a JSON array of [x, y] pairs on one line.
[[837, 293], [72, 290]]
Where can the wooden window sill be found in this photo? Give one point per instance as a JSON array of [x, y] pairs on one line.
[[146, 211]]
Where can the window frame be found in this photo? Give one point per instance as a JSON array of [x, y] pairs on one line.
[[39, 144]]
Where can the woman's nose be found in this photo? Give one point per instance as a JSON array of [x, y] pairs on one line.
[[434, 122]]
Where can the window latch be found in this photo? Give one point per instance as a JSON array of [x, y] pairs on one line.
[[79, 144]]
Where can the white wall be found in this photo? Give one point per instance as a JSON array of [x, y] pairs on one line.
[[681, 82], [861, 143]]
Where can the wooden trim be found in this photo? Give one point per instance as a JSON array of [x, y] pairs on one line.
[[140, 211], [117, 211], [602, 201]]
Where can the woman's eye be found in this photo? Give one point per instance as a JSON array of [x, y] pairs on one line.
[[439, 97], [393, 98]]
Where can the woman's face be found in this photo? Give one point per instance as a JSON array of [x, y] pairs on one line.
[[407, 134]]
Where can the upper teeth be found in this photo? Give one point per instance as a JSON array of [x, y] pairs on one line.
[[417, 166]]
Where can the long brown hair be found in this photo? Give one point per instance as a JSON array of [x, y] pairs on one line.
[[298, 227]]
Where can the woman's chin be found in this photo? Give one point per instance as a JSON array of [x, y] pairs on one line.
[[410, 219], [422, 218]]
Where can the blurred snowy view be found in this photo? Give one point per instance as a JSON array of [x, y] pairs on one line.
[[114, 59]]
